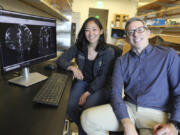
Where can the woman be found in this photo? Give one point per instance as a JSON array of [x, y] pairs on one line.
[[93, 57]]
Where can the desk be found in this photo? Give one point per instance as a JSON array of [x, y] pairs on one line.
[[20, 116]]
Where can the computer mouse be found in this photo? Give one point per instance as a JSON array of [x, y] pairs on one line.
[[50, 66]]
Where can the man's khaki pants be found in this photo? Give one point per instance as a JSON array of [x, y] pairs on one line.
[[101, 119]]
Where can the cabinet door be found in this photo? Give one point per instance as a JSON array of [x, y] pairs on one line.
[[120, 20]]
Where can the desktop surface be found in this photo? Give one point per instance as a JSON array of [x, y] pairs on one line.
[[19, 115]]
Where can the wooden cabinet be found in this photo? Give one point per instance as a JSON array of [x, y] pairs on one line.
[[119, 21], [164, 9], [52, 7]]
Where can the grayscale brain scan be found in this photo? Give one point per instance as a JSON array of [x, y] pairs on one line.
[[25, 39], [19, 38], [45, 36]]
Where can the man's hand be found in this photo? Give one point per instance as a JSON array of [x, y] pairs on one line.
[[76, 72], [165, 129], [83, 98], [129, 128]]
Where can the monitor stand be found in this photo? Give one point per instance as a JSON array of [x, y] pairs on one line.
[[28, 79]]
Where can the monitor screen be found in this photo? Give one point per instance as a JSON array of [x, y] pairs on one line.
[[25, 39], [117, 33]]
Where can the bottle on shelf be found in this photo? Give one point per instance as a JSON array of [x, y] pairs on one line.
[[117, 21]]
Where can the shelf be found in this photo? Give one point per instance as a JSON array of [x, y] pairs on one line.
[[45, 6], [169, 12], [172, 41], [166, 35], [156, 5], [165, 26], [166, 29], [63, 5], [168, 38], [118, 28]]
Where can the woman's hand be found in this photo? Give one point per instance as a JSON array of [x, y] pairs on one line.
[[76, 72], [83, 98]]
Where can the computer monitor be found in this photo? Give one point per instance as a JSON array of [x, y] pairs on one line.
[[25, 40], [117, 33]]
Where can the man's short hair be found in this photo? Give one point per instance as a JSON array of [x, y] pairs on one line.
[[133, 19]]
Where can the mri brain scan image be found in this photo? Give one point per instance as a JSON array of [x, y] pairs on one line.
[[18, 38], [25, 40], [45, 39]]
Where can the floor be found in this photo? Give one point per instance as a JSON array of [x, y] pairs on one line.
[[70, 129], [73, 129]]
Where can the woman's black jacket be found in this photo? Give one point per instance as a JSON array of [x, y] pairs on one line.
[[101, 66]]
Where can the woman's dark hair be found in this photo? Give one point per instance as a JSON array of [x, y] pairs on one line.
[[82, 43]]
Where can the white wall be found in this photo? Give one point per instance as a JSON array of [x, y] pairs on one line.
[[114, 7]]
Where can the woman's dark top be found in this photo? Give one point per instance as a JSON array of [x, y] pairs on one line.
[[88, 70]]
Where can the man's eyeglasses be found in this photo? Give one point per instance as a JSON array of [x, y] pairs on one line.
[[138, 30]]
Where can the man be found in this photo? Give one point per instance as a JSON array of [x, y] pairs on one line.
[[151, 79]]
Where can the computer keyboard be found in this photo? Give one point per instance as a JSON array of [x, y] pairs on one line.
[[51, 92]]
